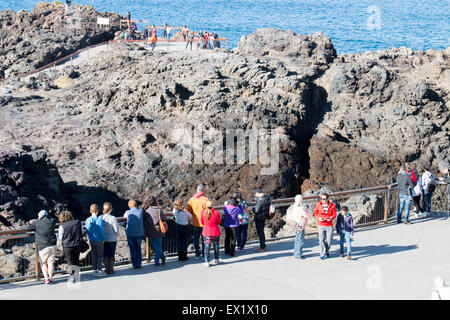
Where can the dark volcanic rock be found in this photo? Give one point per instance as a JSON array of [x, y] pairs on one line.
[[29, 40], [385, 108], [28, 184]]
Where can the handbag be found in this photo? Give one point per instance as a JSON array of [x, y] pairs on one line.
[[163, 226]]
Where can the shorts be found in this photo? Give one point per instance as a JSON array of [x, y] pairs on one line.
[[47, 255]]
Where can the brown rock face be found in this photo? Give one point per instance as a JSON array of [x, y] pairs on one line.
[[385, 108]]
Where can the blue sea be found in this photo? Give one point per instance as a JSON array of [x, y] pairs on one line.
[[353, 25]]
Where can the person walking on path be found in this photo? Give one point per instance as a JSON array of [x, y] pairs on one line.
[[231, 223], [135, 233], [241, 233], [210, 218], [111, 227], [345, 228], [325, 213], [300, 217], [182, 217], [195, 207], [406, 186], [70, 233], [44, 234], [428, 185], [152, 230], [261, 213], [96, 233]]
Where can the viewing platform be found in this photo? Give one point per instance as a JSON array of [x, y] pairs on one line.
[[391, 261]]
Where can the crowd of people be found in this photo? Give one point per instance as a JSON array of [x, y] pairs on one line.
[[412, 188], [149, 221]]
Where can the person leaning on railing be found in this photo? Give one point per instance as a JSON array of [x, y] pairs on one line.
[[44, 230], [446, 179], [111, 232], [135, 233], [70, 233], [182, 217], [96, 231], [152, 214]]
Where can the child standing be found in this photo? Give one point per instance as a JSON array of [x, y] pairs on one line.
[[96, 232], [182, 217], [345, 228]]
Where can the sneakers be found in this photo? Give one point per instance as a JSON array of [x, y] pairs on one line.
[[206, 264], [100, 273], [342, 254], [239, 249], [322, 257], [261, 250], [217, 261], [47, 282], [408, 222], [349, 257], [163, 260], [327, 254], [198, 258]]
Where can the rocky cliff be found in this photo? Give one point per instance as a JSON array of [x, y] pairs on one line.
[[29, 40], [346, 120]]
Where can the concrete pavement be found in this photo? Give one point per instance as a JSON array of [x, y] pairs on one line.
[[393, 261]]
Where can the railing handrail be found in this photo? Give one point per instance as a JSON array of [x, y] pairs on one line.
[[250, 204]]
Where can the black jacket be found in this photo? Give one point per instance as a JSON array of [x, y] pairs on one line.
[[44, 232], [405, 183], [262, 207], [73, 233]]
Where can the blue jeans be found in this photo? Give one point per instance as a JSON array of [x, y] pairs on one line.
[[405, 202], [157, 246], [134, 243], [197, 231], [241, 236], [298, 243], [345, 237], [427, 201], [216, 251]]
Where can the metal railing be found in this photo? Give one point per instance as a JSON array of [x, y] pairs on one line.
[[379, 205]]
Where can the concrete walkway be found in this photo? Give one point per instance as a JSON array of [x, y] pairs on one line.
[[393, 261]]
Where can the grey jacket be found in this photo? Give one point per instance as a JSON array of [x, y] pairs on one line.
[[405, 183], [111, 227]]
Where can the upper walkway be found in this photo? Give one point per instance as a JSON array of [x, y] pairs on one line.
[[392, 261]]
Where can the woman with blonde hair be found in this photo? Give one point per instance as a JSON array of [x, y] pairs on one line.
[[182, 217], [210, 218], [300, 217], [111, 227]]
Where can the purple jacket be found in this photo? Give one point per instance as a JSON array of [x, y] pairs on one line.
[[345, 223], [231, 215]]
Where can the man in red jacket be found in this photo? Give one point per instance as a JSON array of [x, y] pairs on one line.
[[325, 213]]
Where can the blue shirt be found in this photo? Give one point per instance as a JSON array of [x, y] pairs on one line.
[[95, 229], [135, 222]]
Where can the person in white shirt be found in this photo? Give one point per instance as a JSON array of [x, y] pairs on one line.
[[441, 292]]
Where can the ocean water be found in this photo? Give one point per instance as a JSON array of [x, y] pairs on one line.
[[353, 25]]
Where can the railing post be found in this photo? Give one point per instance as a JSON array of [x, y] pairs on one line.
[[386, 204], [148, 249], [36, 254]]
